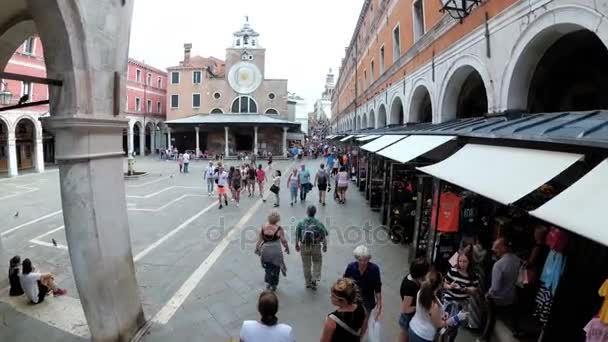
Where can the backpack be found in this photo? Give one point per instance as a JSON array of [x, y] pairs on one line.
[[310, 234], [322, 179]]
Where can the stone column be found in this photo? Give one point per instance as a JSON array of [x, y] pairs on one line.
[[255, 140], [90, 158], [12, 156], [226, 142], [197, 141], [130, 141], [285, 141], [142, 141], [153, 140], [170, 146], [39, 154]]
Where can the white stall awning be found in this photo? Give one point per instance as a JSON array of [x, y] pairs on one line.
[[504, 174], [414, 146], [382, 142], [329, 137], [347, 138], [368, 137], [581, 207]]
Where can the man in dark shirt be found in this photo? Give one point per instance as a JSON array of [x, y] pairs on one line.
[[367, 276]]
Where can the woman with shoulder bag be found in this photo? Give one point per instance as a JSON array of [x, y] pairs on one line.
[[276, 186], [268, 247], [348, 322]]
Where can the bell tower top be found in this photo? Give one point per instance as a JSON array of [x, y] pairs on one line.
[[246, 37]]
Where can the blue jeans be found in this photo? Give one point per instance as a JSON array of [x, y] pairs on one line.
[[186, 167], [294, 194], [210, 182]]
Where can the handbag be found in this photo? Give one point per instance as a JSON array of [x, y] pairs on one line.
[[274, 189]]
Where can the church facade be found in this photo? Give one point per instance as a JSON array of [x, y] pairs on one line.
[[227, 106]]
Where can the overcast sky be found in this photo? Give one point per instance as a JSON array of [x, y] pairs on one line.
[[303, 39]]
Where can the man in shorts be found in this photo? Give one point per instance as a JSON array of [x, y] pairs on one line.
[[222, 184], [321, 182]]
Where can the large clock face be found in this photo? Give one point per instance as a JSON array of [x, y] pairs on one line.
[[244, 77]]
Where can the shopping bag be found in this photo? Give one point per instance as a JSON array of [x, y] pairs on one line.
[[373, 328]]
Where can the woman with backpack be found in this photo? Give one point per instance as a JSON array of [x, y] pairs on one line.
[[321, 182], [268, 247]]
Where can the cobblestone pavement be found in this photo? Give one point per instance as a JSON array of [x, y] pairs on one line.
[[185, 247]]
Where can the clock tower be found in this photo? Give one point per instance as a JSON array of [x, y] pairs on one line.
[[245, 61]]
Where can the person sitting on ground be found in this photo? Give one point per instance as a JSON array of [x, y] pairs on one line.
[[13, 276], [37, 285], [349, 322], [268, 328]]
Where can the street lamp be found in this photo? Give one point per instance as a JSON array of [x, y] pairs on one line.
[[459, 9], [5, 95]]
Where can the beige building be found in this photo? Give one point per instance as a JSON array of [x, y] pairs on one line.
[[229, 106]]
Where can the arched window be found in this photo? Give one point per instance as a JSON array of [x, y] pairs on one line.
[[271, 111], [244, 104], [217, 111]]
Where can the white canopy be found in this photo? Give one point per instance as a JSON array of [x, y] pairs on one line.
[[368, 137], [382, 142], [581, 207], [504, 174], [347, 138], [414, 146]]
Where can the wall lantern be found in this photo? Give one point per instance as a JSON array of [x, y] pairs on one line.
[[459, 9], [5, 95]]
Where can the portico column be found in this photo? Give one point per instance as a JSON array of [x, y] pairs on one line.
[[226, 140], [153, 140], [255, 140], [90, 158], [197, 141], [39, 154], [169, 139], [285, 141], [142, 141], [130, 139], [12, 155]]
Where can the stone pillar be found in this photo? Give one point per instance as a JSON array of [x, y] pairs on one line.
[[255, 140], [226, 142], [285, 141], [88, 128], [90, 158], [197, 142], [39, 154], [142, 141], [153, 140], [169, 139], [12, 156], [130, 141]]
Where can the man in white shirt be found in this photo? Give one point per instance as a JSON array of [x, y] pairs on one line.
[[186, 161], [222, 184], [209, 175]]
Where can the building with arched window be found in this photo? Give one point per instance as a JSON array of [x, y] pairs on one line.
[[229, 107]]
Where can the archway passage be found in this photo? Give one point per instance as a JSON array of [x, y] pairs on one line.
[[48, 146], [372, 120], [25, 140], [125, 141], [421, 108], [364, 123], [396, 118], [572, 75], [381, 117], [465, 95], [3, 147], [149, 148], [472, 100], [136, 139]]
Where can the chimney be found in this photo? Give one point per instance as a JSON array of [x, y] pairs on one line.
[[187, 49]]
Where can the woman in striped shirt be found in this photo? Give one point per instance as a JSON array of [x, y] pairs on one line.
[[460, 283]]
